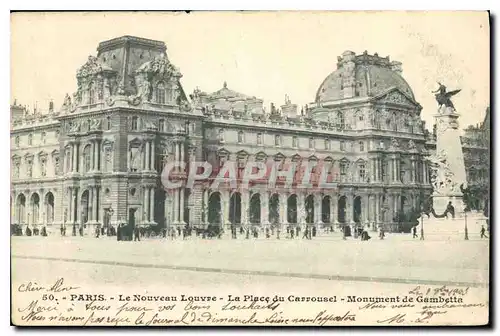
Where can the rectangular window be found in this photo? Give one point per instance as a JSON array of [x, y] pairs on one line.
[[361, 146], [362, 172], [160, 96], [342, 146], [294, 142]]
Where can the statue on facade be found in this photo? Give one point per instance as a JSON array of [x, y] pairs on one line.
[[411, 145], [394, 143], [443, 97], [67, 101]]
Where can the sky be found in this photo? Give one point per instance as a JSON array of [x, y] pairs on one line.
[[263, 54]]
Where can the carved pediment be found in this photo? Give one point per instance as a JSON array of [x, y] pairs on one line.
[[92, 67], [136, 142], [396, 97]]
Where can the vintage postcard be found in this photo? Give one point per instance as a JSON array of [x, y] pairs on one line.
[[250, 169]]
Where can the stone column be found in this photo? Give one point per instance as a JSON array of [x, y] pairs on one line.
[[318, 208], [365, 218], [153, 155], [177, 155], [426, 171], [205, 206], [92, 154], [182, 152], [98, 155], [181, 206], [284, 210], [264, 209], [147, 155], [70, 205], [73, 157], [145, 207], [151, 204], [96, 204], [301, 208], [333, 209], [91, 205], [349, 208]]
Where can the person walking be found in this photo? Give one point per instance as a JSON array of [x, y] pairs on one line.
[[483, 232], [137, 234], [414, 230]]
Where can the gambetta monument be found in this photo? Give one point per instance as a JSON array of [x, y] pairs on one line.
[[448, 168], [448, 177]]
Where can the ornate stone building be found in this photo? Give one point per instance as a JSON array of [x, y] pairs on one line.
[[98, 159]]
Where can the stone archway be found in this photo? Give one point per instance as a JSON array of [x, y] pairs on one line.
[[274, 209], [21, 209], [357, 210], [341, 209], [309, 207], [214, 208], [254, 210], [325, 209], [84, 207], [49, 207], [35, 209], [235, 208], [292, 209]]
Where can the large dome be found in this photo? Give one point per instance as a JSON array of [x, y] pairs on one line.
[[369, 75]]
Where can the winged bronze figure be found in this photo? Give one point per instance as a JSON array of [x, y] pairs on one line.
[[443, 97]]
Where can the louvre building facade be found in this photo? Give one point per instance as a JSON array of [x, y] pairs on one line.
[[97, 159]]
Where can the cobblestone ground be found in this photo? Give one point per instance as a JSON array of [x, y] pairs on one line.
[[397, 259]]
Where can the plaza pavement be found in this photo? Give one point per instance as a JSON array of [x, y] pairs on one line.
[[397, 259]]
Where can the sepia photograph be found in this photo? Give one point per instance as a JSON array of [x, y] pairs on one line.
[[251, 168]]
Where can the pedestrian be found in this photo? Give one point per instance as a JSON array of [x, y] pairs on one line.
[[44, 232], [292, 233], [382, 233], [137, 234], [81, 231], [267, 233], [62, 230], [483, 232], [415, 232], [97, 232]]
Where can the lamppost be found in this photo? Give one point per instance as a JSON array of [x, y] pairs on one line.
[[466, 231], [422, 213]]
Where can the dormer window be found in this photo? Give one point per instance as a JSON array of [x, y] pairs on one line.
[[160, 93]]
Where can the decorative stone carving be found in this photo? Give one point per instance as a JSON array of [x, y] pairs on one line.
[[74, 127], [95, 125], [67, 101], [394, 144], [397, 98], [411, 145], [90, 68]]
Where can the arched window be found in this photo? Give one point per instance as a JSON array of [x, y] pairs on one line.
[[108, 123], [160, 93], [277, 140], [91, 96], [86, 158], [240, 137], [135, 121], [30, 139]]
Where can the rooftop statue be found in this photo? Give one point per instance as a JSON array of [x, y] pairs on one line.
[[443, 97]]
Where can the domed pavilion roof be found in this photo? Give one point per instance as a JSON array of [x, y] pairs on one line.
[[373, 75]]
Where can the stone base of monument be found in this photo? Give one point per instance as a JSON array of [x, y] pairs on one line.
[[453, 228]]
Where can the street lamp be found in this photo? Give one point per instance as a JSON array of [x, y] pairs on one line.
[[422, 222], [466, 231]]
